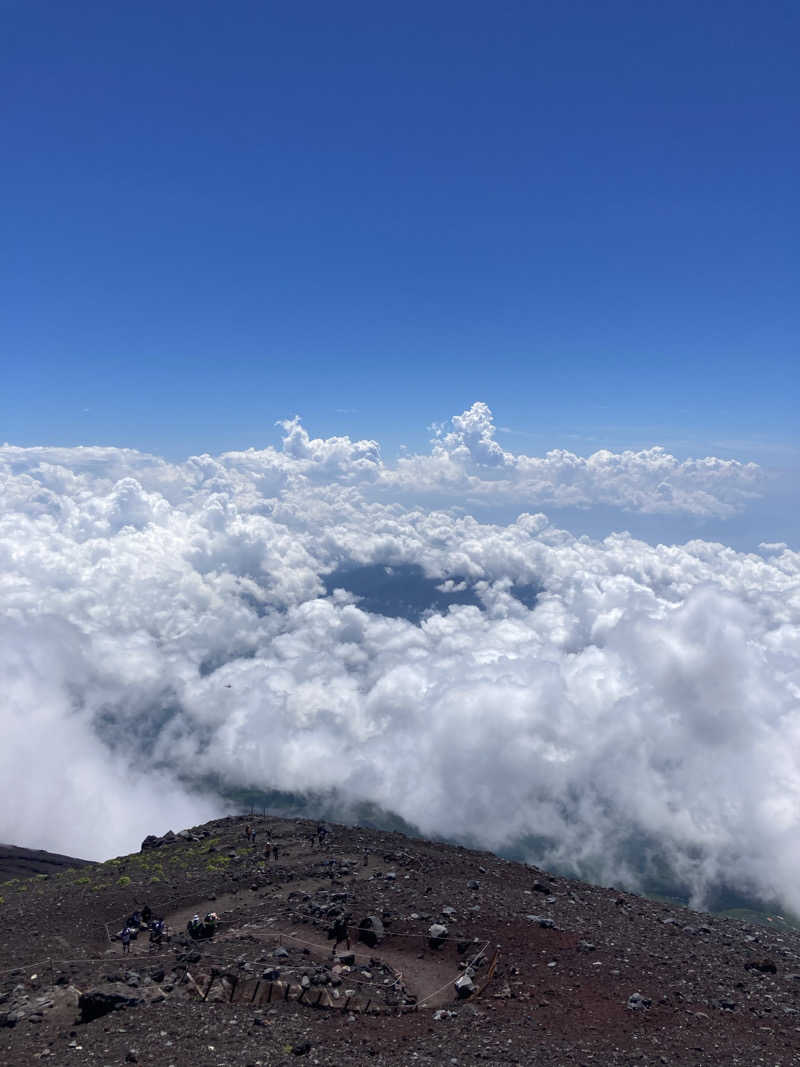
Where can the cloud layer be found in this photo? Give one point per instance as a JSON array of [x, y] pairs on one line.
[[162, 623]]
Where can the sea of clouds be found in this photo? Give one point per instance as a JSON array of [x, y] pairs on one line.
[[167, 624]]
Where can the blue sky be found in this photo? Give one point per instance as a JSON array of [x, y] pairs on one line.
[[584, 215]]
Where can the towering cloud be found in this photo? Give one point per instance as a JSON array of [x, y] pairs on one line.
[[626, 710]]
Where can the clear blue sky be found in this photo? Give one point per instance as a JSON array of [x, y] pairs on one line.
[[584, 214]]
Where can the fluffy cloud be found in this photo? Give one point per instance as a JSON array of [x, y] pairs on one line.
[[163, 624]]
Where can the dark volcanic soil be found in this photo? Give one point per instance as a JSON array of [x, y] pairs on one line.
[[564, 973]]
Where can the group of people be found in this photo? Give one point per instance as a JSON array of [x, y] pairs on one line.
[[319, 836], [271, 849], [202, 929], [142, 920]]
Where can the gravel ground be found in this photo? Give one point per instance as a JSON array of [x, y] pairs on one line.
[[562, 972]]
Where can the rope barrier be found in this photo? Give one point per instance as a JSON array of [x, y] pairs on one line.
[[441, 989]]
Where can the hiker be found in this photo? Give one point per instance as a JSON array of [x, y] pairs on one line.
[[275, 852], [267, 849], [247, 831], [147, 914], [340, 931], [253, 835], [126, 940]]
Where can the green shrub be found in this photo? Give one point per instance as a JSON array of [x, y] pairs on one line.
[[123, 880]]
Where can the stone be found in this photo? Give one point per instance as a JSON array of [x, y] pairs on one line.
[[636, 1002], [465, 987], [437, 935], [765, 966], [371, 930], [542, 920], [95, 1003]]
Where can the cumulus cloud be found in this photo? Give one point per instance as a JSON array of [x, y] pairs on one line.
[[163, 625]]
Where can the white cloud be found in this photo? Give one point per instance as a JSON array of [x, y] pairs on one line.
[[163, 622]]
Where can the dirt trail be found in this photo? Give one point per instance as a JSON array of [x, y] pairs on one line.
[[430, 979], [426, 974]]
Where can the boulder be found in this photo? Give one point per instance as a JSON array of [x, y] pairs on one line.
[[371, 931], [95, 1003], [465, 987], [151, 841], [541, 920], [765, 966], [437, 935]]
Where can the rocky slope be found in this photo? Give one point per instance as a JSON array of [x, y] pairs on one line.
[[554, 971], [16, 862]]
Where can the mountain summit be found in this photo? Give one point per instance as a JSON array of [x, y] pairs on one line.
[[258, 940]]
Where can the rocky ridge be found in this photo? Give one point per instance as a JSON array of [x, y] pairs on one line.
[[455, 957]]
